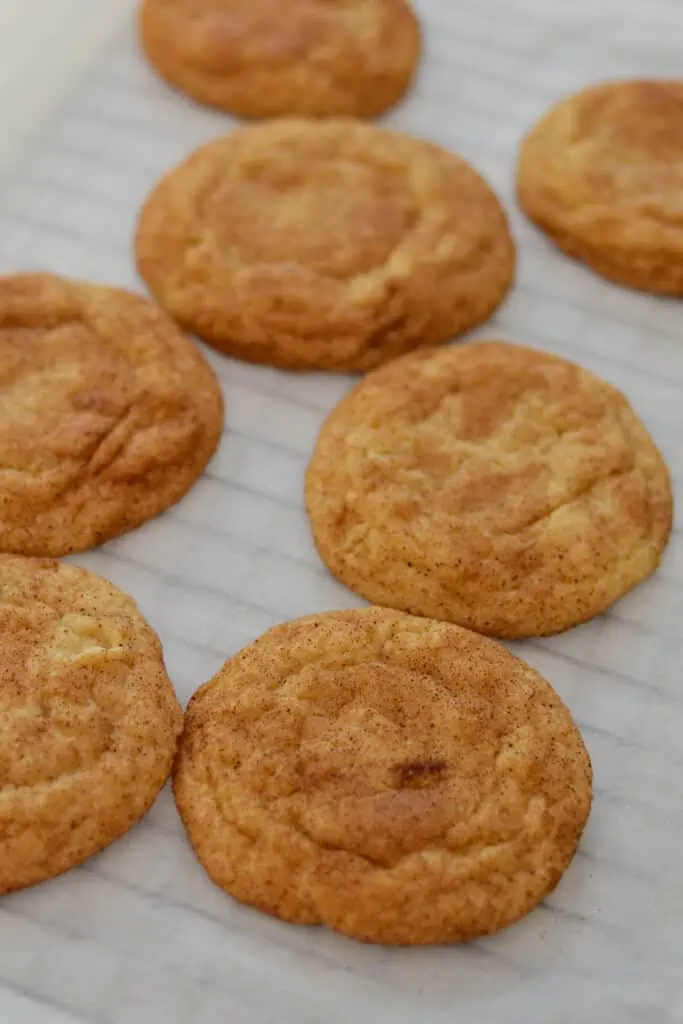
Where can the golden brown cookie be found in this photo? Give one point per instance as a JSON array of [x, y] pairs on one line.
[[88, 718], [400, 780], [268, 58], [108, 415], [602, 174], [324, 244], [490, 485]]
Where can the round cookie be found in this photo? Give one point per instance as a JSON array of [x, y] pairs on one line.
[[399, 780], [88, 718], [602, 175], [109, 414], [324, 244], [268, 58], [491, 485]]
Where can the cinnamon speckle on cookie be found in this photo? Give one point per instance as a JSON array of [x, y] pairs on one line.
[[331, 245], [109, 413], [399, 780], [489, 484], [601, 173], [88, 718], [269, 58]]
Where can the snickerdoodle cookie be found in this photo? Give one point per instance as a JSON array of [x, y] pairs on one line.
[[108, 416], [267, 58], [324, 244], [490, 485], [602, 174], [400, 780], [88, 718]]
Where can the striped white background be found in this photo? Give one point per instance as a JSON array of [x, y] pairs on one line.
[[139, 936]]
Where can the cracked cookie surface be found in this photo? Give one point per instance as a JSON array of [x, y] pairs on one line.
[[268, 58], [88, 718], [333, 245], [109, 413], [400, 780], [491, 485], [601, 173]]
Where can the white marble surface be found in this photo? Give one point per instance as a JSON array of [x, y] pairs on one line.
[[138, 935]]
